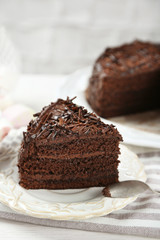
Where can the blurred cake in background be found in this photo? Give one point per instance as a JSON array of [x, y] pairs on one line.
[[125, 80]]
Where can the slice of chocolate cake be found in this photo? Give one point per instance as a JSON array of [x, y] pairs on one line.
[[125, 80], [67, 147]]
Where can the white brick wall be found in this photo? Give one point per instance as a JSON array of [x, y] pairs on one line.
[[60, 36]]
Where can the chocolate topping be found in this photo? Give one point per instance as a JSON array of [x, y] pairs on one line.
[[66, 118], [128, 59]]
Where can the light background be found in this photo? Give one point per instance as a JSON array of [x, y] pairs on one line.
[[61, 36]]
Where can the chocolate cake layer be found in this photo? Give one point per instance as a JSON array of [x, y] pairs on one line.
[[66, 147], [111, 171], [125, 80], [79, 167], [79, 183], [74, 147]]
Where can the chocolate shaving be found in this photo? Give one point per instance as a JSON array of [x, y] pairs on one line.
[[79, 113], [43, 117], [73, 98], [36, 114], [87, 131], [61, 121]]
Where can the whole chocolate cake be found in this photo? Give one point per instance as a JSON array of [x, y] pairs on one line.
[[125, 80], [67, 147]]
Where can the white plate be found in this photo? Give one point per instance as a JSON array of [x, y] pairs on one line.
[[137, 129], [60, 204]]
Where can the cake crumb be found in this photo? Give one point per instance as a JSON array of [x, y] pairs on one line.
[[106, 192]]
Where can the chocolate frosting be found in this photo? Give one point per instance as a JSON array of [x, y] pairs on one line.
[[63, 118], [128, 59]]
